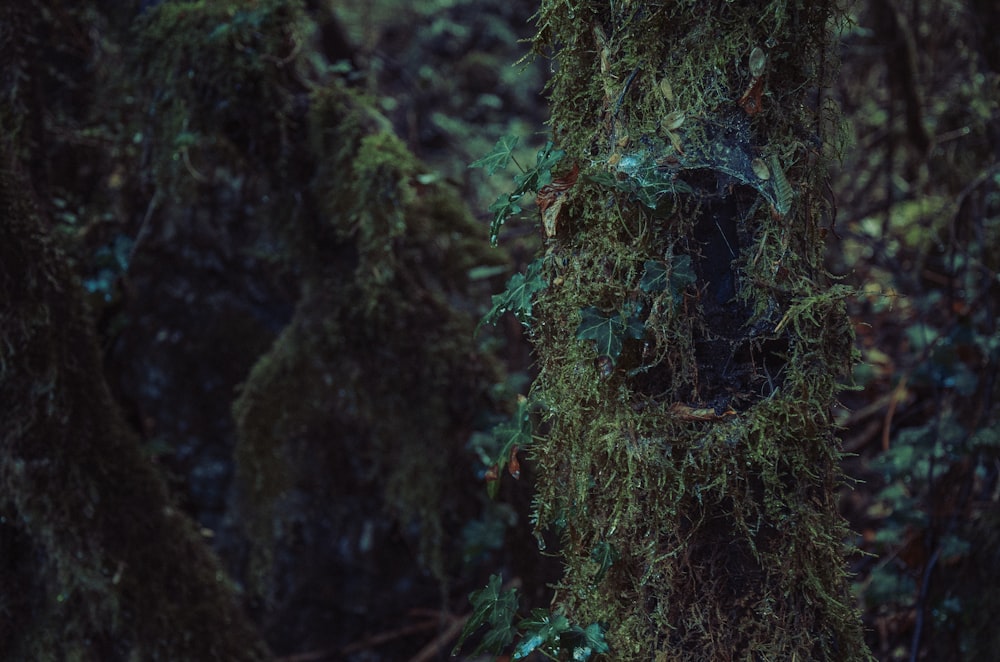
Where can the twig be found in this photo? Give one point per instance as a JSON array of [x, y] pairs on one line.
[[432, 649], [898, 394]]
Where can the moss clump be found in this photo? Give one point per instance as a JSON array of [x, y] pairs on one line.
[[704, 456], [218, 83], [364, 403]]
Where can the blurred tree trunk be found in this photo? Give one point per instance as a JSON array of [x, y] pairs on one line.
[[689, 342], [97, 564]]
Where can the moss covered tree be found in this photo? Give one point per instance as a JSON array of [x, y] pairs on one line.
[[689, 341], [198, 123], [97, 563]]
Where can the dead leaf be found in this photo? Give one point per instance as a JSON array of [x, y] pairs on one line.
[[686, 413], [666, 90], [550, 216], [513, 466], [673, 120]]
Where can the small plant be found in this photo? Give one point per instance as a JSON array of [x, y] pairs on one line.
[[529, 181], [609, 330], [517, 298], [543, 631], [499, 449], [551, 634]]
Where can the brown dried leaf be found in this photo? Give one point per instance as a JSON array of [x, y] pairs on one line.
[[686, 413]]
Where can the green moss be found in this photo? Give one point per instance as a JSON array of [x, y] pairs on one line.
[[373, 384], [706, 455], [223, 78]]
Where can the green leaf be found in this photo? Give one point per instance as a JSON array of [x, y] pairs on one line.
[[499, 158], [517, 298], [541, 630], [540, 175], [654, 277], [515, 432], [609, 330], [605, 330], [504, 207], [605, 555], [681, 275], [634, 326], [494, 607], [548, 157], [586, 641]]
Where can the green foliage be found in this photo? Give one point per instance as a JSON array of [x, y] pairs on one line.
[[504, 207], [656, 277], [544, 631], [499, 158], [495, 608], [783, 190], [604, 555], [609, 330], [517, 297], [552, 633], [528, 181], [541, 631], [498, 449], [541, 174], [586, 641]]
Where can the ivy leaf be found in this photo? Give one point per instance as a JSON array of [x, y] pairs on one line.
[[494, 607], [540, 175], [654, 277], [634, 328], [510, 435], [499, 158], [504, 207], [541, 630], [517, 298], [605, 555], [605, 330], [586, 641], [681, 275], [548, 157], [609, 331]]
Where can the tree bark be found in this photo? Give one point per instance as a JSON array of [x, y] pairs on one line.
[[690, 463]]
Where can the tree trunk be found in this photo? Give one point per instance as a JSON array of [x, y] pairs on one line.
[[352, 427], [690, 462], [98, 565]]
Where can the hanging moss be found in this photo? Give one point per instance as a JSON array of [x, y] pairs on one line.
[[369, 394], [704, 453], [218, 87], [348, 428]]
